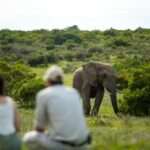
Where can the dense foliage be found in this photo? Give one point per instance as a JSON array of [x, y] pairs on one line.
[[71, 44], [21, 82], [26, 91], [136, 98], [127, 50]]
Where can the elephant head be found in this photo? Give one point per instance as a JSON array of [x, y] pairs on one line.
[[90, 73], [99, 73]]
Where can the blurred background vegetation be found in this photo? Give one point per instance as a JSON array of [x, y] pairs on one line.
[[25, 54]]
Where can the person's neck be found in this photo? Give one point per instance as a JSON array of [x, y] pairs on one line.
[[2, 96], [2, 99], [54, 85]]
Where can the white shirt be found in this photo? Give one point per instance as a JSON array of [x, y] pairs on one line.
[[7, 117], [59, 107]]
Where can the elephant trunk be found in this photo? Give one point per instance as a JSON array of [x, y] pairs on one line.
[[114, 102]]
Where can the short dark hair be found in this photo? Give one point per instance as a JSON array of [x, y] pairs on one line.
[[2, 84]]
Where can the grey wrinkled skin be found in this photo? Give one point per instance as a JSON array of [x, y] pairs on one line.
[[90, 80]]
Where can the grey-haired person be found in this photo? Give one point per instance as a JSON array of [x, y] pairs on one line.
[[58, 109]]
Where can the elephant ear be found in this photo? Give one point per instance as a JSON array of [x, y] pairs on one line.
[[90, 73]]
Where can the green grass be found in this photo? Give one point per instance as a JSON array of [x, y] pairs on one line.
[[109, 132]]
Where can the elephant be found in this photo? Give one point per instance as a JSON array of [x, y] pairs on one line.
[[90, 80]]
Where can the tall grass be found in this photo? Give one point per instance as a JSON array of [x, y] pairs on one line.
[[109, 132]]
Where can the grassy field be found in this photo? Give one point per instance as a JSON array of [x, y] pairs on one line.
[[109, 132]]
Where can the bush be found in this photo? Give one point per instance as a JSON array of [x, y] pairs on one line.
[[120, 42], [21, 83], [14, 73], [122, 82], [26, 91], [95, 49], [136, 99], [110, 32], [38, 59]]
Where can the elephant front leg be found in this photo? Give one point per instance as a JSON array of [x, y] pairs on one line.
[[86, 100], [86, 106], [98, 101]]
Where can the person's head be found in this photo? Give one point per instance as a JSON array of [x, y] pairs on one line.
[[1, 86], [54, 76]]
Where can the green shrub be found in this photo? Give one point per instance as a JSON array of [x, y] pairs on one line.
[[120, 42], [27, 90], [95, 49], [136, 99], [19, 81], [122, 82], [110, 32]]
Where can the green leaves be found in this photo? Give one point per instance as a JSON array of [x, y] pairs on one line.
[[26, 91], [19, 81], [136, 99]]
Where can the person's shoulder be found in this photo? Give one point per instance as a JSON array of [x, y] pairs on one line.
[[10, 100], [72, 90], [43, 92]]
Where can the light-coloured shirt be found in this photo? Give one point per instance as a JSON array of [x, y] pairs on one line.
[[60, 108], [7, 117]]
